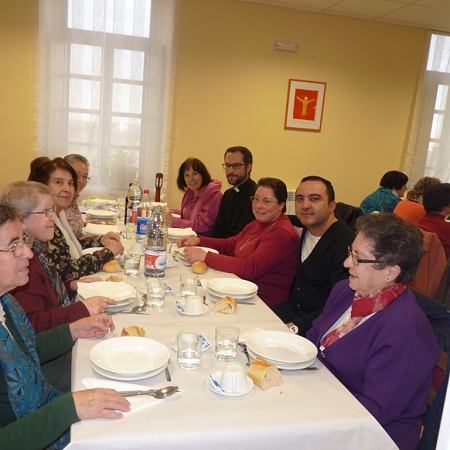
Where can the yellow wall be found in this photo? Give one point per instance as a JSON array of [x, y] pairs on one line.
[[231, 88]]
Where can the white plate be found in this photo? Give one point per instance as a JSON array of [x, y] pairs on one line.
[[120, 305], [283, 347], [217, 295], [129, 355], [284, 366], [218, 375], [181, 250], [100, 230], [115, 376], [184, 261], [205, 310], [180, 232], [232, 286], [116, 291], [101, 213]]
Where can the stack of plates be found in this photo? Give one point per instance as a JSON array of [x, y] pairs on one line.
[[241, 290], [284, 349], [129, 358], [185, 261], [123, 293], [175, 233], [100, 214]]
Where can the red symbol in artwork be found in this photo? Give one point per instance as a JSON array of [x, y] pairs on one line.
[[305, 103]]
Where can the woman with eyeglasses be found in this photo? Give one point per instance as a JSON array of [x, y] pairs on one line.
[[64, 251], [73, 214], [372, 334], [201, 199], [33, 413], [265, 252]]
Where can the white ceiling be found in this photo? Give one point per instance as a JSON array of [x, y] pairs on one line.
[[427, 14]]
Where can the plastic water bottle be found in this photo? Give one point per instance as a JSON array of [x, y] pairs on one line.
[[134, 195], [156, 248]]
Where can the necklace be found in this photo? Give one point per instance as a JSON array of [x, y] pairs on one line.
[[255, 235]]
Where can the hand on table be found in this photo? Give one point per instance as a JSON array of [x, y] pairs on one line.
[[114, 246], [93, 326], [188, 240], [167, 215], [98, 304], [193, 254], [94, 403], [110, 236]]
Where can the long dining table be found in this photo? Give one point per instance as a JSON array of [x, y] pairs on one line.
[[309, 410]]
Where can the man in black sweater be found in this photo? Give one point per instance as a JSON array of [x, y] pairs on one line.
[[324, 246], [235, 210]]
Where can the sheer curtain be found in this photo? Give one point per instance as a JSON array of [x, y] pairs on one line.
[[103, 87], [429, 144]]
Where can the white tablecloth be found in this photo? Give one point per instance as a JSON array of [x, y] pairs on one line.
[[310, 410]]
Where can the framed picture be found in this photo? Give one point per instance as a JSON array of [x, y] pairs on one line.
[[304, 106]]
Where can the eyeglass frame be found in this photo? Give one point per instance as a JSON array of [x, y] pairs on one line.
[[361, 261], [263, 201], [17, 247], [48, 212], [235, 166], [85, 177]]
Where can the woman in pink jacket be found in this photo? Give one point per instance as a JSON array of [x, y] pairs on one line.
[[201, 200]]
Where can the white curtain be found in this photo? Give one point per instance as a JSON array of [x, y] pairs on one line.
[[103, 87], [429, 144]]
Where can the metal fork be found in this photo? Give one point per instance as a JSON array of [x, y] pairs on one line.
[[244, 349], [168, 377]]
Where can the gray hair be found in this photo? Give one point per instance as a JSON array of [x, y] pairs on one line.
[[76, 157], [24, 195], [8, 213]]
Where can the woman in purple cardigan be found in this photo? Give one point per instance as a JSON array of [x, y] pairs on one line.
[[372, 334], [201, 199]]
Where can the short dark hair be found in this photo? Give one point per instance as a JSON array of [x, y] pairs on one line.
[[278, 187], [436, 197], [328, 185], [246, 154], [42, 170], [393, 241], [8, 213], [196, 165], [393, 180]]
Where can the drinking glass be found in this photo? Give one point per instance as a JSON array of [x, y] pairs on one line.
[[156, 292], [131, 264], [227, 340], [189, 349], [188, 284]]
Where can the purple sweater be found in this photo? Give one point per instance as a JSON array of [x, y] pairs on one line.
[[386, 362]]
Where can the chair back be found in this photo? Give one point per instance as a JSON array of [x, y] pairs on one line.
[[431, 266], [347, 213], [443, 292]]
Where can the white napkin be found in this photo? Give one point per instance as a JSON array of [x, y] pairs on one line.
[[100, 230], [179, 232], [137, 402], [116, 291], [244, 336]]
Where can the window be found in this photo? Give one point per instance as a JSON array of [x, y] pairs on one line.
[[429, 150], [104, 87]]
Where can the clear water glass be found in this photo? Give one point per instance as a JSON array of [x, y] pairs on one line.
[[227, 340]]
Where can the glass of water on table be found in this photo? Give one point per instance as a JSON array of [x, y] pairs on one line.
[[227, 340]]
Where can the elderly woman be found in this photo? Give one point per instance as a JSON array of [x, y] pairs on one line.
[[412, 207], [73, 214], [33, 414], [266, 251], [201, 199], [373, 335], [64, 251]]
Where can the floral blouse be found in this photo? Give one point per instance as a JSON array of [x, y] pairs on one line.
[[58, 255]]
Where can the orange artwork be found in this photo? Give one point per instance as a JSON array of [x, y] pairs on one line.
[[305, 103]]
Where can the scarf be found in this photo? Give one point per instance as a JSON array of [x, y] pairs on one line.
[[363, 307], [28, 389], [75, 247]]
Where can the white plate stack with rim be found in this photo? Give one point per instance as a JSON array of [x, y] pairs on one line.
[[124, 294], [129, 358], [241, 290], [104, 214], [185, 261], [176, 233], [284, 349]]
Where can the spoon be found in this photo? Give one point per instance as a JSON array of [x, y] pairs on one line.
[[157, 393], [135, 310]]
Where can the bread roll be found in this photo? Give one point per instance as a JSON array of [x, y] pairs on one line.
[[226, 305], [114, 278], [264, 374], [199, 267], [133, 330], [112, 266]]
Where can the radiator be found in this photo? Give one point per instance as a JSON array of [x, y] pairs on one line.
[[290, 204]]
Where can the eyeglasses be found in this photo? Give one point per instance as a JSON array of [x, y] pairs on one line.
[[16, 249], [28, 239], [264, 201], [356, 261], [235, 166], [48, 212], [85, 177]]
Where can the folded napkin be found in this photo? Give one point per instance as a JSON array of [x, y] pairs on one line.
[[137, 402], [100, 230], [244, 336], [179, 232], [116, 291], [216, 384]]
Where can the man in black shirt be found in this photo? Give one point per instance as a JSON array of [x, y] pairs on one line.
[[235, 210]]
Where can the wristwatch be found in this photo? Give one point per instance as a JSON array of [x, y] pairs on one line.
[[293, 327]]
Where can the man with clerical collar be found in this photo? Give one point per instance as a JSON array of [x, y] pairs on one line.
[[235, 210], [324, 244]]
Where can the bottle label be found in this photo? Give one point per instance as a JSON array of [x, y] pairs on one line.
[[134, 216], [142, 225], [155, 260]]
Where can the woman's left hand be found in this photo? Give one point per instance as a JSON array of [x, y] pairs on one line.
[[110, 236], [94, 326], [167, 217], [193, 254]]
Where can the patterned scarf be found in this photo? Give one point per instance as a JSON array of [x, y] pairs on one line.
[[363, 307], [28, 389], [55, 281]]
